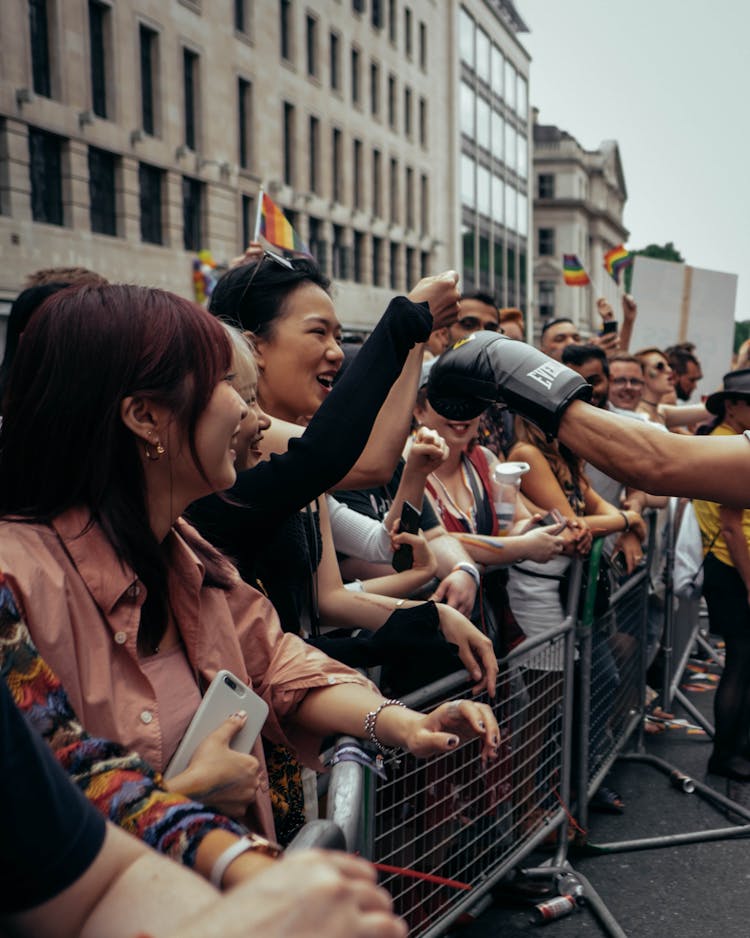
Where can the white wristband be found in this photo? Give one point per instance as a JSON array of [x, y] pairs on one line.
[[226, 857], [471, 570]]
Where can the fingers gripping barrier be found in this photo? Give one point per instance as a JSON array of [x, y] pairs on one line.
[[443, 830]]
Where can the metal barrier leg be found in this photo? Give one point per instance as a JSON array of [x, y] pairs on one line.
[[704, 723], [688, 785]]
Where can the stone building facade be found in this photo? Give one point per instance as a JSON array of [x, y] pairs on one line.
[[579, 197], [133, 134]]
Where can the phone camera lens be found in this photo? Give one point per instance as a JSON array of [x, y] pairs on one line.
[[230, 683]]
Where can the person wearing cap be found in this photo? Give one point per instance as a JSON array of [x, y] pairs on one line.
[[726, 586]]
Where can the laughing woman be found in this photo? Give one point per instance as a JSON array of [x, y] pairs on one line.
[[295, 330], [132, 390]]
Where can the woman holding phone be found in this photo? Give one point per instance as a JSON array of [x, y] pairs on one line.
[[131, 388]]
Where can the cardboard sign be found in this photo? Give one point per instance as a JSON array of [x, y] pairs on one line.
[[679, 303]]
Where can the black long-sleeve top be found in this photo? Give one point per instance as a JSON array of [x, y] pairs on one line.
[[247, 522]]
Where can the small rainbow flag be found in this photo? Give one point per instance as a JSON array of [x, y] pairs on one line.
[[616, 261], [273, 225], [573, 273]]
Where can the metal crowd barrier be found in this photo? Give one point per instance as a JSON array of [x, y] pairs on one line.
[[611, 676], [443, 831]]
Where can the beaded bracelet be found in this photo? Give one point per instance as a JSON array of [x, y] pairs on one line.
[[371, 720]]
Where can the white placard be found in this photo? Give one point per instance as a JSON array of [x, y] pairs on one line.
[[678, 303]]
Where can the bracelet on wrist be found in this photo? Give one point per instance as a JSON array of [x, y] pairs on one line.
[[249, 842], [627, 523], [470, 569], [370, 722]]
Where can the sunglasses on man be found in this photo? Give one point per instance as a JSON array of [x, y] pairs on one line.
[[474, 324]]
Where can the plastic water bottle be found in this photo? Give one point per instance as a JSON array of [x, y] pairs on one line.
[[506, 484]]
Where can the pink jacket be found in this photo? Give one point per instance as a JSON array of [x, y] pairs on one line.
[[82, 608]]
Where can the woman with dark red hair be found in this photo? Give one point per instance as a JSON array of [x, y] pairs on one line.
[[120, 412]]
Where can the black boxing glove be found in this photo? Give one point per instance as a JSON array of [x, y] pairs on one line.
[[487, 367]]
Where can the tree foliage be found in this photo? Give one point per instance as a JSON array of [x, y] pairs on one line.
[[666, 252]]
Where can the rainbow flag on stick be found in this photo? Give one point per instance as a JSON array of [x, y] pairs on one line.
[[273, 225], [616, 261], [573, 273]]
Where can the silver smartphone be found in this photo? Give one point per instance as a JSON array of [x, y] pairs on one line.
[[226, 695]]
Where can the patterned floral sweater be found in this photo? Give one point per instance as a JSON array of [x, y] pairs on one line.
[[118, 782]]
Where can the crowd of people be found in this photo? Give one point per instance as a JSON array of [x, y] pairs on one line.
[[227, 493]]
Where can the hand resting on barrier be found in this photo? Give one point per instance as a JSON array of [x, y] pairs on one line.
[[445, 727]]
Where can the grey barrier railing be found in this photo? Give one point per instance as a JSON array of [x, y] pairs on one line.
[[445, 830]]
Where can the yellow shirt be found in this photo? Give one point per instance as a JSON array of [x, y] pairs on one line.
[[707, 514]]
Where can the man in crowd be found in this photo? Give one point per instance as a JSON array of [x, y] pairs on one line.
[[686, 368], [556, 335], [626, 383], [477, 311], [591, 363]]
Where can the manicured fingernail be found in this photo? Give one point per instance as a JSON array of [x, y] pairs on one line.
[[481, 725], [495, 741], [453, 741], [239, 715]]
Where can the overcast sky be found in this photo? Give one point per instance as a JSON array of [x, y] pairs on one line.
[[670, 81]]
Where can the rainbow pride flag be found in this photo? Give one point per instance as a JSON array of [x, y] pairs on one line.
[[275, 228], [616, 260], [573, 273]]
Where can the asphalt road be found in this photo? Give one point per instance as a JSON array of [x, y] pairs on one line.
[[691, 891]]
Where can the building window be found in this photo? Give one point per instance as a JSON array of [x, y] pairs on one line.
[[393, 207], [407, 111], [340, 266], [546, 298], [358, 6], [377, 184], [374, 88], [40, 54], [376, 14], [377, 261], [392, 102], [392, 21], [424, 205], [546, 242], [45, 173], [289, 149], [423, 122], [148, 49], [394, 265], [150, 185], [336, 164], [192, 210], [466, 37], [102, 209], [190, 85], [316, 242], [407, 33], [423, 46], [411, 266], [312, 45], [355, 77], [359, 257], [469, 262], [467, 104], [409, 198], [335, 62], [546, 185], [424, 264], [482, 49], [244, 120], [510, 85], [468, 181], [98, 24], [285, 29], [248, 221], [357, 173], [240, 18], [314, 153]]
